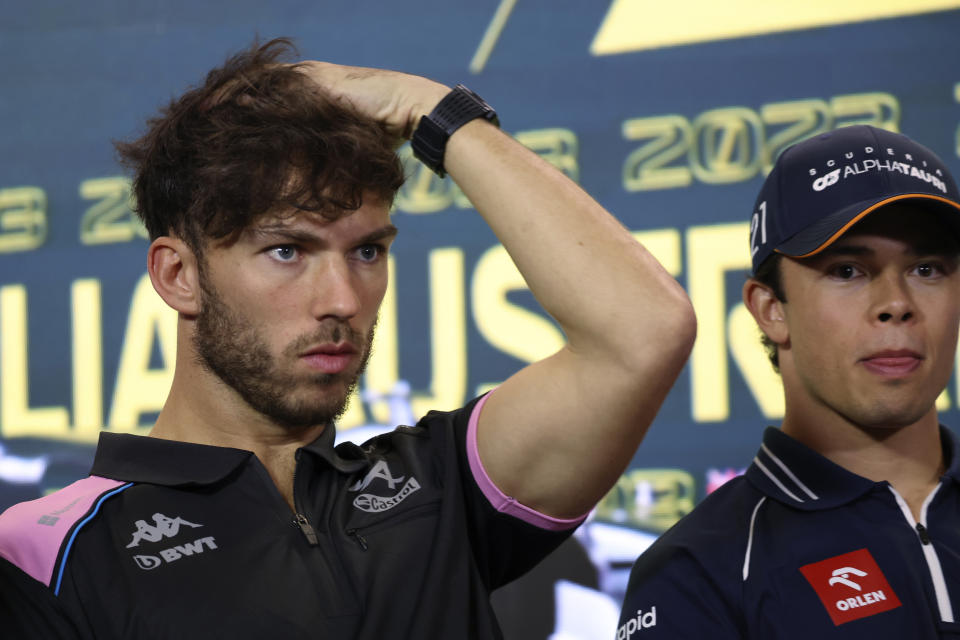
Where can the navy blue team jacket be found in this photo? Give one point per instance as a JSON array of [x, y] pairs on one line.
[[404, 537], [800, 548]]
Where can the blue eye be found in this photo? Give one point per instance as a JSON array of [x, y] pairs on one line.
[[284, 252], [370, 252]]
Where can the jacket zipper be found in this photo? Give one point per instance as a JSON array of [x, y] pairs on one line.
[[415, 512], [299, 519], [929, 553], [355, 534]]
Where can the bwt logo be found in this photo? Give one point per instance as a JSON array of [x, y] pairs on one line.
[[642, 621], [175, 553]]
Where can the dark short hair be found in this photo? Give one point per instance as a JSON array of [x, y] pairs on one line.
[[769, 274], [255, 137]]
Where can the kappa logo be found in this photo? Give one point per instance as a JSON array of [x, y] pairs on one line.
[[851, 586], [167, 527], [164, 527], [374, 503]]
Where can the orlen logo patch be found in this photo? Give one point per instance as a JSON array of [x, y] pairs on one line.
[[851, 586]]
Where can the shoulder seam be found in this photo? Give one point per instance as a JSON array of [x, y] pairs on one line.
[[33, 534], [80, 525]]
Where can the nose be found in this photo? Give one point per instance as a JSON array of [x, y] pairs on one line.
[[893, 302], [333, 290]]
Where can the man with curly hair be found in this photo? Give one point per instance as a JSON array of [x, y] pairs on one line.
[[266, 192]]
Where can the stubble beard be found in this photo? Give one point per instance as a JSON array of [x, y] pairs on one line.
[[232, 348]]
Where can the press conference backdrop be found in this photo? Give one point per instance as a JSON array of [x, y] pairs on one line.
[[668, 113]]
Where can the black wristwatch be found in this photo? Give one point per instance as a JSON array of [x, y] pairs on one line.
[[457, 108]]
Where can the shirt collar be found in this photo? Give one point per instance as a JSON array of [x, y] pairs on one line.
[[130, 458], [346, 457], [794, 474]]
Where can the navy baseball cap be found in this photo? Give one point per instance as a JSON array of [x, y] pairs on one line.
[[822, 186]]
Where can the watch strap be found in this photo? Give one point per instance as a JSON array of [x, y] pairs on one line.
[[460, 106]]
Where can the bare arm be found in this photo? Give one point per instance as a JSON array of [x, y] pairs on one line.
[[558, 433]]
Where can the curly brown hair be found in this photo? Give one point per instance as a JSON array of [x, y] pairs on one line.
[[256, 137]]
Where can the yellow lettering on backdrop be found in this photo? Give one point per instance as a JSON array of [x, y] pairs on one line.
[[87, 359], [878, 109], [728, 143], [711, 252], [649, 167], [633, 25], [804, 117], [448, 334], [648, 498], [16, 416], [139, 388], [23, 218]]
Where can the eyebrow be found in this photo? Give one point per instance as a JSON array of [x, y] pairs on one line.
[[306, 237]]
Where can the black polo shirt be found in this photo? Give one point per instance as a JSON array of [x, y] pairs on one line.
[[403, 537], [801, 548]]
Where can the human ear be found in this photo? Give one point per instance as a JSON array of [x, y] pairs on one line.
[[767, 310], [173, 271]]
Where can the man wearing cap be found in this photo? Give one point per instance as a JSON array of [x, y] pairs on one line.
[[847, 524]]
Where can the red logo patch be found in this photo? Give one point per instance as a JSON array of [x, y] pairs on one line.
[[851, 586]]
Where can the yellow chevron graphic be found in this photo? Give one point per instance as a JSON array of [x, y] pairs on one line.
[[632, 25]]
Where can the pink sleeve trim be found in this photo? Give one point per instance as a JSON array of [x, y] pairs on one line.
[[31, 533], [499, 500]]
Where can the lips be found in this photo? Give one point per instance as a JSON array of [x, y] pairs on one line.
[[892, 363], [329, 358]]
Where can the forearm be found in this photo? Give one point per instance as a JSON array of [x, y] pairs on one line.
[[609, 295]]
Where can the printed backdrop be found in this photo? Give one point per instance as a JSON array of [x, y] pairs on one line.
[[668, 113]]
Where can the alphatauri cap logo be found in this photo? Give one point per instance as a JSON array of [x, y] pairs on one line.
[[820, 187]]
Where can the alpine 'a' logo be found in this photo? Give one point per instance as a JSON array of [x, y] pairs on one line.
[[163, 527], [375, 503], [851, 586]]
